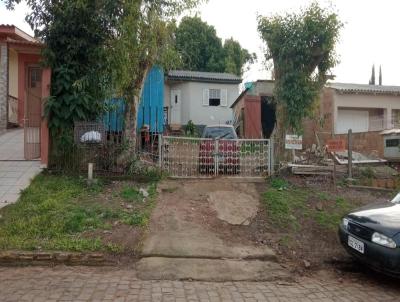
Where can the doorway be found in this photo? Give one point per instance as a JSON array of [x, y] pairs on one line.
[[268, 116], [176, 107], [33, 113]]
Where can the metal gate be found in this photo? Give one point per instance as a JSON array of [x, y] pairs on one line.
[[33, 113], [200, 157]]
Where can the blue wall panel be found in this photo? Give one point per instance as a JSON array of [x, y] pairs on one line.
[[151, 107]]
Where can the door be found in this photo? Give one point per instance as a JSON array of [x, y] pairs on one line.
[[176, 107], [33, 113]]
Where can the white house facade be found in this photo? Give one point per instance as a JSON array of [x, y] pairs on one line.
[[201, 97]]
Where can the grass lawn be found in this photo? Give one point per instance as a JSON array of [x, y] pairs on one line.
[[63, 213]]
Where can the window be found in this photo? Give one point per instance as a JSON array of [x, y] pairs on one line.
[[392, 142], [215, 97]]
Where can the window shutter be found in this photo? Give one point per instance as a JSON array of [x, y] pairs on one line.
[[224, 97], [206, 97]]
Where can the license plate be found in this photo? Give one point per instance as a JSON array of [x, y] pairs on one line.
[[356, 244]]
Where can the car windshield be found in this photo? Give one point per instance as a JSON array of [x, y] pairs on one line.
[[396, 199], [219, 132]]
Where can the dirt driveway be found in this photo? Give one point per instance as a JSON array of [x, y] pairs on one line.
[[200, 230]]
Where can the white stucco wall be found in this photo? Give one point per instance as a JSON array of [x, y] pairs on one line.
[[13, 73], [387, 103], [192, 102]]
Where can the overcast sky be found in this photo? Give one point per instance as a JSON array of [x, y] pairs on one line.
[[370, 35]]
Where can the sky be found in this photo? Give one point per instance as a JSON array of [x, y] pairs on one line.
[[370, 35]]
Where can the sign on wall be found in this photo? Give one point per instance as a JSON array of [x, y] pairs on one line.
[[293, 142], [336, 145]]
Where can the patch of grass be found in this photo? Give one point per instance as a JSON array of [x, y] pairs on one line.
[[142, 217], [55, 211], [131, 194], [279, 183], [282, 205], [330, 218], [287, 206]]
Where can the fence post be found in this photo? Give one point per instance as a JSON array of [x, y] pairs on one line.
[[271, 156], [160, 142], [350, 152]]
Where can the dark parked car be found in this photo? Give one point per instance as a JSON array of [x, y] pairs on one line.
[[372, 235], [225, 156]]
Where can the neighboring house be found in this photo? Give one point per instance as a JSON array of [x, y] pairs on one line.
[[254, 110], [366, 109], [24, 85], [201, 97]]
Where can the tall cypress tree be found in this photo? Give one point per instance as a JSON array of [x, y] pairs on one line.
[[372, 80], [380, 75]]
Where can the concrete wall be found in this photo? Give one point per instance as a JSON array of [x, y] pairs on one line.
[[13, 73], [192, 102]]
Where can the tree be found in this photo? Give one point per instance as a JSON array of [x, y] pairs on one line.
[[198, 45], [372, 79], [201, 49], [236, 57], [380, 75], [143, 37], [75, 33], [100, 47], [302, 48]]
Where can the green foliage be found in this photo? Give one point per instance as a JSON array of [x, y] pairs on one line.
[[302, 47], [279, 183], [201, 49], [130, 193], [191, 130], [75, 33]]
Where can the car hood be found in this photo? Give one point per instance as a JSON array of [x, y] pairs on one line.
[[382, 217]]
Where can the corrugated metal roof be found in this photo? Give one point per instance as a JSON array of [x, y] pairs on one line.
[[346, 88], [203, 76]]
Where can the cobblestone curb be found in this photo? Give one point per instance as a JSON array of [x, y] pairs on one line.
[[17, 258]]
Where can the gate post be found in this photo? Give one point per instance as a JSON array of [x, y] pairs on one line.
[[271, 157]]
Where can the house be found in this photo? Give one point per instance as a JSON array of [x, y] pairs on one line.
[[24, 85], [201, 97], [366, 109]]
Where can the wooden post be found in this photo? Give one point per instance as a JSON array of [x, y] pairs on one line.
[[90, 172], [334, 171], [350, 152]]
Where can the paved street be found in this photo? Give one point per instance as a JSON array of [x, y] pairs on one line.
[[113, 284]]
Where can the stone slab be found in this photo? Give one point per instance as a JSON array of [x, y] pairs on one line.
[[156, 268], [233, 207]]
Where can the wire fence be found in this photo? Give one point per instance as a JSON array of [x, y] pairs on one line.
[[108, 151]]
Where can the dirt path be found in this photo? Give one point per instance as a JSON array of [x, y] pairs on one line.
[[191, 236]]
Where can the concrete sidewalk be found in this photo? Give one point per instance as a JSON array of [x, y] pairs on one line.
[[12, 145], [14, 177]]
